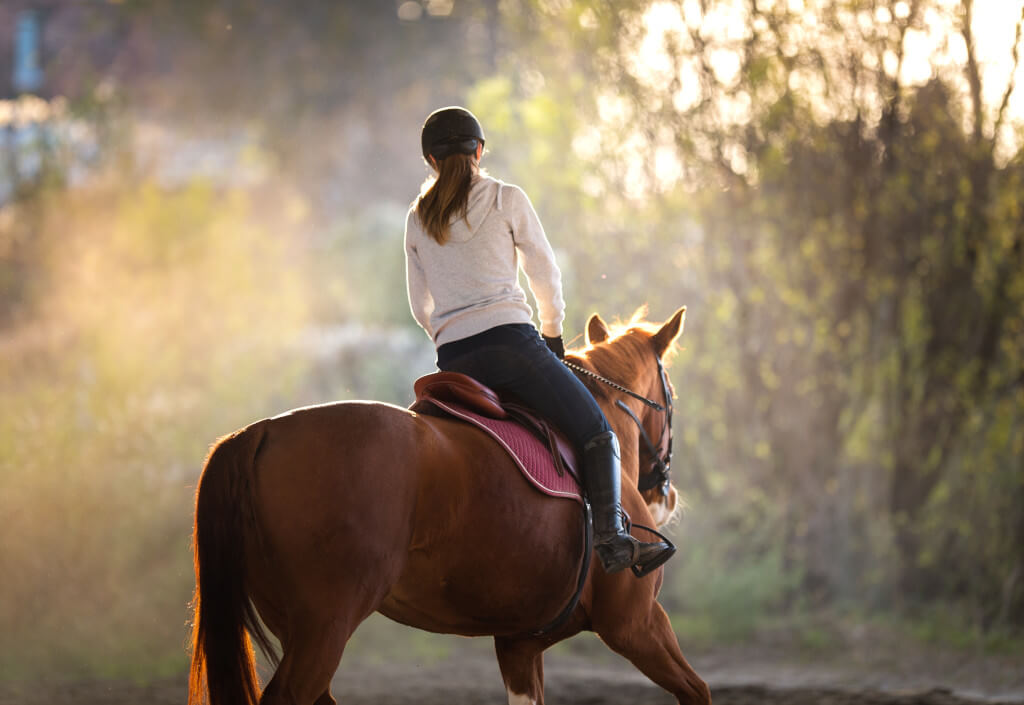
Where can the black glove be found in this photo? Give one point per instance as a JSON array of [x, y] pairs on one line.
[[555, 345]]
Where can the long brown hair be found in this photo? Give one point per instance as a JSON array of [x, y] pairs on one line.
[[447, 194]]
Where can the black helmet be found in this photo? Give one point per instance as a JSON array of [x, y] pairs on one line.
[[451, 130]]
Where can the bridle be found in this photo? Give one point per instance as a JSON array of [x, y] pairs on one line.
[[661, 456]]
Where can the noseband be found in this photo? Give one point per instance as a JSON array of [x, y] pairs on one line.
[[661, 456]]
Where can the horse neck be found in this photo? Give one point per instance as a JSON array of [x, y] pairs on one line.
[[629, 439], [642, 381]]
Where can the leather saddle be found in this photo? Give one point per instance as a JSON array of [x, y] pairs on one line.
[[455, 388]]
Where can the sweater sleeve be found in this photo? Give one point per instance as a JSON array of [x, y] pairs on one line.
[[538, 260], [420, 300]]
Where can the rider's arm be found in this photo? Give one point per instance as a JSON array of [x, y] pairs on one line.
[[420, 300], [538, 260]]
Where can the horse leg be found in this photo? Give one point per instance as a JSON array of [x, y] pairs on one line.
[[522, 668], [648, 641], [311, 656]]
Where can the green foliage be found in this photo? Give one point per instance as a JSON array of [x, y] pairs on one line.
[[852, 258], [726, 596], [360, 264], [159, 310]]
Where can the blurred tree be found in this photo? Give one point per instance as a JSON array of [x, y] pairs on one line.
[[859, 242]]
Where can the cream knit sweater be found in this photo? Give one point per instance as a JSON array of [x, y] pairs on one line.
[[471, 283]]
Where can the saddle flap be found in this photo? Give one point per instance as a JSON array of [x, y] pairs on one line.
[[460, 389], [562, 451]]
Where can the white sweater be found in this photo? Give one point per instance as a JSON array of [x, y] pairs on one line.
[[471, 283]]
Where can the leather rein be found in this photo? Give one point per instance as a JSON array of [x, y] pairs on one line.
[[661, 456]]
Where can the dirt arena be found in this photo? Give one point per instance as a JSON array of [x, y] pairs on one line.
[[569, 680], [413, 691]]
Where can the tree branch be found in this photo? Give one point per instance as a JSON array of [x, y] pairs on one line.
[[973, 72], [901, 26], [1000, 116]]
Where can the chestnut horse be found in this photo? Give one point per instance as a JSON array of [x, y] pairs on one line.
[[317, 518]]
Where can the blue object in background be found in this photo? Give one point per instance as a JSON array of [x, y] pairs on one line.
[[28, 70]]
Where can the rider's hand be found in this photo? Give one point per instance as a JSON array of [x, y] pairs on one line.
[[555, 345]]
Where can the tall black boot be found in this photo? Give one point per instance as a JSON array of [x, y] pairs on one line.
[[612, 542]]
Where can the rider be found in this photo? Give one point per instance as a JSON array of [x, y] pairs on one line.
[[464, 237]]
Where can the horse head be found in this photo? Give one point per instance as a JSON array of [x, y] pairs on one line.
[[638, 401]]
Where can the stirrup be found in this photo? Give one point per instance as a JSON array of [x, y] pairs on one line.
[[660, 559]]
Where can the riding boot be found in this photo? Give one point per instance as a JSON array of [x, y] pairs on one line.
[[612, 541]]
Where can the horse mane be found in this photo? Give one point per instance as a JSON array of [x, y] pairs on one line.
[[616, 357]]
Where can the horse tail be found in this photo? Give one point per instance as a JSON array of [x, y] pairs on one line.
[[222, 655]]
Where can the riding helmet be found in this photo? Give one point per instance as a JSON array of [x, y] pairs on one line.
[[451, 130]]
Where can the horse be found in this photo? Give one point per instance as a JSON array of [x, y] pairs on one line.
[[313, 520]]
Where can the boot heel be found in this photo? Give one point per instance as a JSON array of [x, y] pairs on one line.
[[616, 558]]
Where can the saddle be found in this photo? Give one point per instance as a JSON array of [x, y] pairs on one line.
[[541, 451]]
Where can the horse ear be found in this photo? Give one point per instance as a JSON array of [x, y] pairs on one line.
[[672, 329], [597, 330]]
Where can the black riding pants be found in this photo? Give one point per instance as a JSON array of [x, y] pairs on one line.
[[513, 360]]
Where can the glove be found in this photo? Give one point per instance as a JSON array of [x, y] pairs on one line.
[[555, 345]]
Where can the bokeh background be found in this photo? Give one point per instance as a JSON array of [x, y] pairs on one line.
[[201, 216]]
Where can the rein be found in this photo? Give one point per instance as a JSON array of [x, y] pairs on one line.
[[615, 385], [661, 462]]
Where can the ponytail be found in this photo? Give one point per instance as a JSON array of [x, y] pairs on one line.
[[447, 195]]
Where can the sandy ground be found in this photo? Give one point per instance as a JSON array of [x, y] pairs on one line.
[[469, 675], [446, 686]]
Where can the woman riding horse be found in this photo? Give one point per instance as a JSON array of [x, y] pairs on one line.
[[464, 237], [313, 520], [310, 521]]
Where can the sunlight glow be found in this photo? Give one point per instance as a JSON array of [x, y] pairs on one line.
[[652, 61], [666, 43], [933, 44], [410, 11], [440, 8], [29, 109]]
